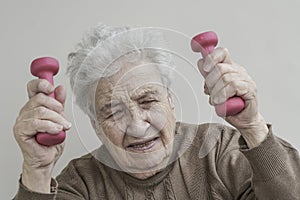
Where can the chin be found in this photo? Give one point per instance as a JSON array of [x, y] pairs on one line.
[[144, 176], [144, 165]]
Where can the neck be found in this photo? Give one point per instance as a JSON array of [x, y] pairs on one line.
[[145, 175]]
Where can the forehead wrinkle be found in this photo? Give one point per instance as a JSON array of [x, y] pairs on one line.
[[142, 92], [103, 96], [111, 97], [121, 85]]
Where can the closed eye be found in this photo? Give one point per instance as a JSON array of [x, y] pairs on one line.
[[116, 114], [148, 101], [147, 104]]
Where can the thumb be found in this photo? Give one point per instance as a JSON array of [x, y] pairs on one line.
[[60, 94]]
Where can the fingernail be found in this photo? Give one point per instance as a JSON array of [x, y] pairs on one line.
[[217, 100], [68, 125], [44, 84], [206, 68], [59, 127]]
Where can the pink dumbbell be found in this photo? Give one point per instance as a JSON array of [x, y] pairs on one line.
[[46, 68], [205, 43]]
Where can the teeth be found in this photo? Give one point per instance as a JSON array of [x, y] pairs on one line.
[[138, 146]]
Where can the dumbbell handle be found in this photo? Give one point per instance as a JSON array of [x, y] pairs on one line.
[[205, 43], [46, 68]]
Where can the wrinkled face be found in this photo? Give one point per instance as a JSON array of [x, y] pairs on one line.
[[136, 119]]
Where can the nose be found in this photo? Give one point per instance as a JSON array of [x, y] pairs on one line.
[[138, 124]]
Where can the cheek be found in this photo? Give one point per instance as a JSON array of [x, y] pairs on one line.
[[112, 133], [157, 117], [162, 117]]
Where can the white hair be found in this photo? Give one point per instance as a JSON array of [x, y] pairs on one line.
[[102, 51]]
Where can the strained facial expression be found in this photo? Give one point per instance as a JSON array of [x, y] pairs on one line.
[[136, 118]]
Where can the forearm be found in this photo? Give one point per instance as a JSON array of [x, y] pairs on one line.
[[276, 169], [62, 187], [24, 193]]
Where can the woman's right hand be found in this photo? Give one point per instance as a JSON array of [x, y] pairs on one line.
[[40, 114]]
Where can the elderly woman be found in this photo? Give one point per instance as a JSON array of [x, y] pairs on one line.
[[122, 82]]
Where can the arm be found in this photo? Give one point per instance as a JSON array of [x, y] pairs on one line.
[[68, 185], [25, 193], [275, 165], [268, 171], [40, 114], [276, 169]]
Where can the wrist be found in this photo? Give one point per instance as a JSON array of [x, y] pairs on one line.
[[256, 132], [37, 179]]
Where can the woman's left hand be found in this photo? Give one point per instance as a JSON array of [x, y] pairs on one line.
[[225, 79]]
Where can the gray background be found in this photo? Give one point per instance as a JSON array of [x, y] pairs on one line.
[[263, 36]]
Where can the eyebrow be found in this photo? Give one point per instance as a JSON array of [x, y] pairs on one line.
[[145, 94], [109, 105]]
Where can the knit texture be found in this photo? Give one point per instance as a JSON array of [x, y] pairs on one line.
[[228, 171]]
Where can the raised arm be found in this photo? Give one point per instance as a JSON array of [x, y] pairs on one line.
[[41, 113], [275, 164]]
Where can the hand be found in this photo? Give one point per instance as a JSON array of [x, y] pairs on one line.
[[40, 114], [225, 79]]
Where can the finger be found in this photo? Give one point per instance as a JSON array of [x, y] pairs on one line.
[[39, 86], [218, 71], [43, 113], [200, 67], [32, 126], [224, 80], [206, 91], [234, 88], [218, 93], [60, 94], [219, 55], [43, 100]]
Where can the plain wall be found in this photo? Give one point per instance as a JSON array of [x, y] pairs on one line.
[[263, 36]]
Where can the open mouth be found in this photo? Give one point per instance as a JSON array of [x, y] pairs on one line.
[[144, 145]]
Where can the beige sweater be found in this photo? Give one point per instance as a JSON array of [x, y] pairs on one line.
[[229, 171]]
